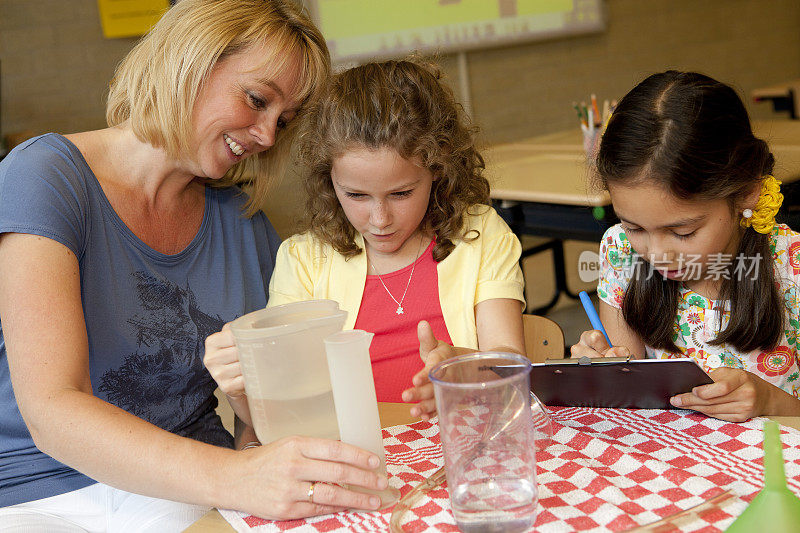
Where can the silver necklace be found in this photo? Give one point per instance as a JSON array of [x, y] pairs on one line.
[[400, 309]]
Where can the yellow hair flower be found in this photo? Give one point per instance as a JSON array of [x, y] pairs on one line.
[[769, 201]]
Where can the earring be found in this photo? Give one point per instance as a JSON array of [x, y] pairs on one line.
[[747, 213]]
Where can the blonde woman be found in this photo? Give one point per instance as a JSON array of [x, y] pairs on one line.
[[118, 259]]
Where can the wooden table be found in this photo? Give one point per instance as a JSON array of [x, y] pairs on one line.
[[392, 414], [541, 187]]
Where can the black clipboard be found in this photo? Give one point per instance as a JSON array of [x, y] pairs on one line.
[[615, 381]]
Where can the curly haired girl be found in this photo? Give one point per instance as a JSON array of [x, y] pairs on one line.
[[398, 230]]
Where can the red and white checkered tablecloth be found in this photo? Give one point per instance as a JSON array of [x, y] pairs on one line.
[[605, 470]]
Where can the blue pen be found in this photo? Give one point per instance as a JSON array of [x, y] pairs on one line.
[[591, 312]]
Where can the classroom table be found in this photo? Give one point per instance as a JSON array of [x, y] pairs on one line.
[[543, 186], [396, 414], [784, 97]]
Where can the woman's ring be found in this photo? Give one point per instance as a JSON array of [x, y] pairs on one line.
[[311, 492]]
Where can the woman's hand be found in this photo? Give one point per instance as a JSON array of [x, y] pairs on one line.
[[736, 396], [275, 479], [432, 351], [594, 344], [222, 361]]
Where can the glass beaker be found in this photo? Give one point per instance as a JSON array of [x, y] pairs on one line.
[[488, 440]]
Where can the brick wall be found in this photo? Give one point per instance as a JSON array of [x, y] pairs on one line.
[[55, 65]]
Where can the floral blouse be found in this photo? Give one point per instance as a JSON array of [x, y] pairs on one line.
[[698, 317]]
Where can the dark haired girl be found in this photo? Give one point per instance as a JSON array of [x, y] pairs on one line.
[[698, 267]]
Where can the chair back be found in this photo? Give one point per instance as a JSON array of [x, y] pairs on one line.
[[543, 338]]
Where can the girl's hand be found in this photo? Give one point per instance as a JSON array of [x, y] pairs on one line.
[[275, 479], [594, 344], [222, 361], [736, 396], [432, 352]]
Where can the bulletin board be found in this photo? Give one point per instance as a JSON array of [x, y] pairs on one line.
[[359, 30]]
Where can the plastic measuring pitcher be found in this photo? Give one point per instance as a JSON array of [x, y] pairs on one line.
[[285, 369]]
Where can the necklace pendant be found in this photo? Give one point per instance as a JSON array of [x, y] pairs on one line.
[[400, 310]]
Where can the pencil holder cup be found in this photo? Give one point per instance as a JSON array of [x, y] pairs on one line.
[[591, 144]]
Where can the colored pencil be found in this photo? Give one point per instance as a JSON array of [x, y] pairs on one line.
[[594, 318]]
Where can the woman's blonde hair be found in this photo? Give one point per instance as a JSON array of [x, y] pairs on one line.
[[402, 105], [156, 86]]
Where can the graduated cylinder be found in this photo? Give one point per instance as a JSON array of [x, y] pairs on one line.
[[355, 400]]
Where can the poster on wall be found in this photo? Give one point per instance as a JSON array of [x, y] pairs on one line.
[[129, 18]]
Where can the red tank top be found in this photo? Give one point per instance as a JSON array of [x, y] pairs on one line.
[[395, 348]]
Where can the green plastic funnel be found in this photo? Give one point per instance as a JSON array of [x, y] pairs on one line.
[[775, 509]]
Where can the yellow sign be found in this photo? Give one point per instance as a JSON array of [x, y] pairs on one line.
[[129, 18]]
